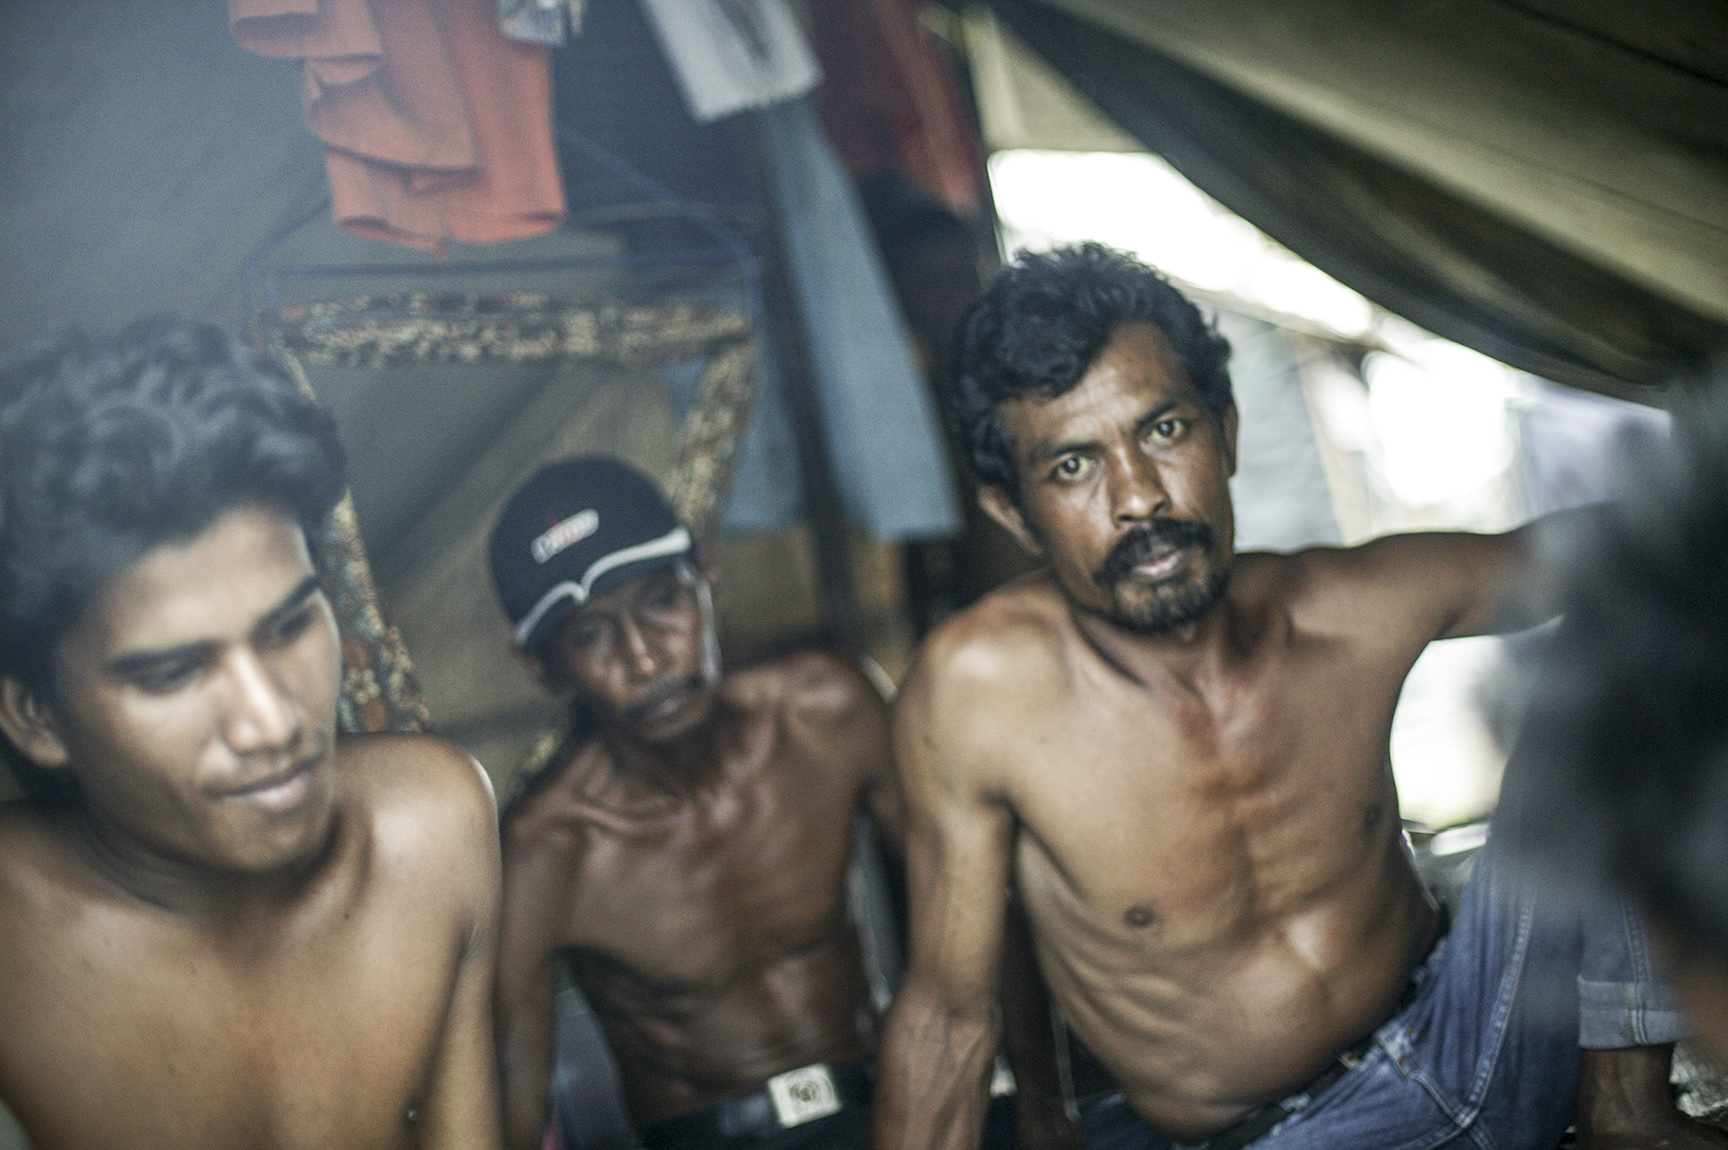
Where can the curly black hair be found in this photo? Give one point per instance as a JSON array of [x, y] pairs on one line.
[[1042, 322], [1621, 765], [111, 447]]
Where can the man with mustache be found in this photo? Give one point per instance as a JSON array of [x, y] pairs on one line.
[[684, 853], [220, 925], [1178, 757]]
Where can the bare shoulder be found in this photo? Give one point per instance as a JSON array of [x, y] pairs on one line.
[[394, 769], [822, 702], [547, 818], [1018, 638], [814, 684], [427, 800], [986, 671]]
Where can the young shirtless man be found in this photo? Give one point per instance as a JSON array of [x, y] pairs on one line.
[[1179, 756], [220, 925], [686, 851]]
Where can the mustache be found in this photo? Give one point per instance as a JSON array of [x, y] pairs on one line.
[[638, 711], [1149, 541]]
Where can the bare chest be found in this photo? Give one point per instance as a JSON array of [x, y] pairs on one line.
[[1163, 818], [128, 1035], [721, 885]]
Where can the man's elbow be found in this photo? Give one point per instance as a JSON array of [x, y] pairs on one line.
[[926, 1015]]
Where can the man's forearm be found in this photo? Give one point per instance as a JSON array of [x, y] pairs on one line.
[[933, 1071]]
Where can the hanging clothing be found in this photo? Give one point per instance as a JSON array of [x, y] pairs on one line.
[[879, 424], [615, 85], [892, 100], [731, 55], [879, 420], [436, 127]]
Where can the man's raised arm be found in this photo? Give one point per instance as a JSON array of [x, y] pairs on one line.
[[1451, 584], [940, 1037]]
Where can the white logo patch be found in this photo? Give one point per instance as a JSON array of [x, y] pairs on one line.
[[564, 535], [804, 1095]]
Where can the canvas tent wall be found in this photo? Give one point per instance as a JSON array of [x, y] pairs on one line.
[[1543, 180]]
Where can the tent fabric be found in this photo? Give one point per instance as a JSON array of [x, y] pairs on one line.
[[1544, 182]]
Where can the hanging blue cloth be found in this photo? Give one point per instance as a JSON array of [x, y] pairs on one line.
[[615, 86], [879, 419]]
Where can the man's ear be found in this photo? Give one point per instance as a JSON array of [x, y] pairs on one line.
[[31, 725], [1000, 506], [1227, 430]]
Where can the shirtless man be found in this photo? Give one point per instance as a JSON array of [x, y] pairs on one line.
[[686, 851], [220, 925], [1179, 757]]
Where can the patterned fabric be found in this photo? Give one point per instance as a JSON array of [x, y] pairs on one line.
[[379, 692], [519, 327], [712, 433]]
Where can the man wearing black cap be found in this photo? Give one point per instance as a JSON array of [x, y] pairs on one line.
[[686, 849]]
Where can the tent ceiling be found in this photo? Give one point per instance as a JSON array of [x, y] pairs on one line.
[[1585, 144]]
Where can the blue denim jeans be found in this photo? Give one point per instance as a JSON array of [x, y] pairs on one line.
[[1487, 1054]]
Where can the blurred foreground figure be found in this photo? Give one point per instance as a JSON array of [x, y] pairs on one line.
[[1624, 748], [686, 849], [220, 925], [1179, 757]]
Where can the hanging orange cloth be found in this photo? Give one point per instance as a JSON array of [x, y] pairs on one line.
[[891, 100], [435, 126]]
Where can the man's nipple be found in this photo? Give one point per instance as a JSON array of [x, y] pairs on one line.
[[1139, 917]]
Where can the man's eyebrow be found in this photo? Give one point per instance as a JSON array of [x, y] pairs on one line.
[[291, 603], [1157, 413], [139, 662], [1043, 452], [135, 663]]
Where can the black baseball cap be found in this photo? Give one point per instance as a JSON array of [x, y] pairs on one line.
[[574, 529]]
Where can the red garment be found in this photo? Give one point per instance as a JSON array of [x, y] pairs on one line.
[[436, 127], [891, 100]]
